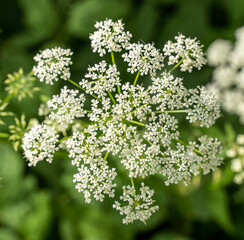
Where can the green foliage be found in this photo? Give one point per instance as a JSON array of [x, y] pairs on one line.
[[84, 14]]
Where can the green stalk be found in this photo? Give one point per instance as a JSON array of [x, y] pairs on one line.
[[64, 139], [171, 111], [78, 86], [136, 78], [132, 182], [137, 123], [7, 99], [106, 155], [4, 135], [177, 65], [111, 96], [113, 61]]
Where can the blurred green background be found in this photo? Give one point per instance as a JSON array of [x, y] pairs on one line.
[[41, 203]]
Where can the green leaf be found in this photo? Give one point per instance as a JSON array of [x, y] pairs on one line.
[[218, 205], [11, 170], [40, 16], [230, 133], [84, 14], [36, 222], [7, 234]]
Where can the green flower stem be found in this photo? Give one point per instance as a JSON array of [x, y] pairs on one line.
[[171, 111], [4, 135], [177, 65], [64, 139], [78, 86], [132, 182], [7, 99], [112, 57], [113, 61], [135, 81], [186, 144], [106, 155], [176, 111], [136, 78], [137, 123], [89, 111], [111, 96]]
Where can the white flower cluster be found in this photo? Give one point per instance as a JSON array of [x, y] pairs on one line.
[[53, 64], [205, 107], [144, 58], [228, 75], [109, 36], [183, 162], [132, 123], [200, 105], [187, 50], [236, 153], [136, 206], [39, 144], [67, 106], [94, 175], [102, 78]]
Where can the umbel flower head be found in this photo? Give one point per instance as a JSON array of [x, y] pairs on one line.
[[228, 75], [110, 36], [133, 125], [53, 64]]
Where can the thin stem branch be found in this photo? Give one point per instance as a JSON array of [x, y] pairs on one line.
[[5, 100], [137, 123], [171, 111], [78, 86], [177, 65], [114, 63], [106, 155], [136, 78], [4, 135], [132, 182], [112, 57], [64, 139], [112, 98]]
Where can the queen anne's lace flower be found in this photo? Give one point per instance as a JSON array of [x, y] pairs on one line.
[[136, 206], [53, 64], [67, 106], [144, 58], [39, 144], [109, 36], [134, 124], [186, 49]]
